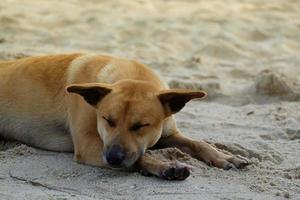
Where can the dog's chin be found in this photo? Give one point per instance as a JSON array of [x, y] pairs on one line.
[[125, 165], [129, 163]]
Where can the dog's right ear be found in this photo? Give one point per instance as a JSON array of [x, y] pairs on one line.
[[173, 100], [91, 92]]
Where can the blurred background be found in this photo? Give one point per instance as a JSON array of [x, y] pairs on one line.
[[240, 51], [244, 53]]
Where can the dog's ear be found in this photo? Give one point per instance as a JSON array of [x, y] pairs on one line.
[[173, 100], [91, 92]]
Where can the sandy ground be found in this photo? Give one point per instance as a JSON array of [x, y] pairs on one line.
[[246, 54]]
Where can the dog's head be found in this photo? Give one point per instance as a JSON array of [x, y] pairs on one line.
[[130, 115]]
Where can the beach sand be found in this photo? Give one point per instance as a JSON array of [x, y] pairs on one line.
[[245, 54]]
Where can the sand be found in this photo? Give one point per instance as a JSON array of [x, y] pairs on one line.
[[245, 54]]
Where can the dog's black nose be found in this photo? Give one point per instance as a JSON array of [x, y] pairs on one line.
[[115, 155]]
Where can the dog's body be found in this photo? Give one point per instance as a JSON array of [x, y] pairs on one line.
[[125, 109]]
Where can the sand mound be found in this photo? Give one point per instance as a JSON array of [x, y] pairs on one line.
[[12, 56], [269, 83], [5, 145], [9, 149], [273, 84], [255, 36], [220, 49], [210, 86]]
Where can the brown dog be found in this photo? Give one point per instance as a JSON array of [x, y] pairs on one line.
[[117, 109]]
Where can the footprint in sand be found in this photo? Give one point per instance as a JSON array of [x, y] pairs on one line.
[[292, 173], [293, 134]]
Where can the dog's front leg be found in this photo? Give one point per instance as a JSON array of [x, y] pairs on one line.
[[202, 151], [148, 165], [88, 149], [88, 146]]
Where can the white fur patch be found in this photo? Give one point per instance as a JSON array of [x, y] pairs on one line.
[[169, 126], [108, 74], [76, 65]]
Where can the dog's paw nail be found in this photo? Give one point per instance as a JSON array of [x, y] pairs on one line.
[[168, 173], [145, 173], [182, 173], [210, 163], [242, 164], [228, 166]]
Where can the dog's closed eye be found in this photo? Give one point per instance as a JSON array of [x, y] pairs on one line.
[[110, 122], [137, 126]]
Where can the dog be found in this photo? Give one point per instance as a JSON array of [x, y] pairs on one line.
[[107, 110]]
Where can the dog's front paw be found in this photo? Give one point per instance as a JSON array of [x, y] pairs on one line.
[[175, 171], [239, 162]]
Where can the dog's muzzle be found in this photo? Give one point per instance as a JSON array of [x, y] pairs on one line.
[[115, 155]]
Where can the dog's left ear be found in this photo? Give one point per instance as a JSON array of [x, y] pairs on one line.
[[91, 92], [173, 100]]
